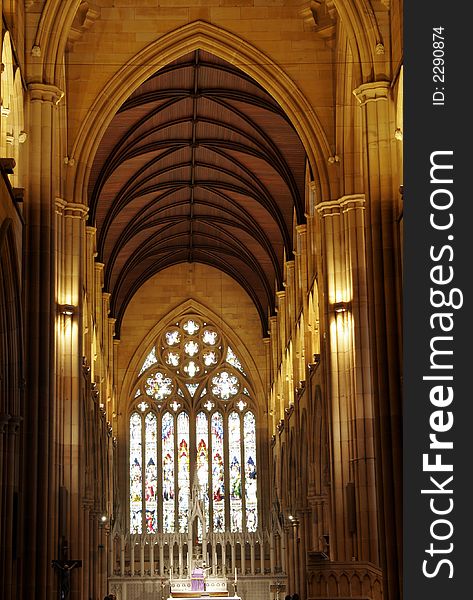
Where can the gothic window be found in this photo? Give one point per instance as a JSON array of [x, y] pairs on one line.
[[192, 428]]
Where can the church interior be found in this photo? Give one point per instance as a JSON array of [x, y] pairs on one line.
[[201, 299]]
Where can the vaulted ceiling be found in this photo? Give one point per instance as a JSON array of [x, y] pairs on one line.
[[200, 164]]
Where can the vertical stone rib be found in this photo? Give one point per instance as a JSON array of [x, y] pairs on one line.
[[39, 504], [375, 103]]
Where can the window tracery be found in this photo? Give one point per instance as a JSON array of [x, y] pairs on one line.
[[192, 424]]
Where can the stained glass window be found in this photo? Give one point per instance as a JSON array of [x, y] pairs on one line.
[[234, 447], [209, 337], [232, 359], [191, 348], [136, 478], [249, 446], [172, 337], [218, 473], [202, 459], [158, 386], [225, 385], [173, 425], [183, 477], [151, 474], [168, 472], [149, 360]]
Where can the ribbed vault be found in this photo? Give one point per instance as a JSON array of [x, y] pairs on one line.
[[200, 164]]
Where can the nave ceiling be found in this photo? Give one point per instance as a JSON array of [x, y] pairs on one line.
[[200, 164]]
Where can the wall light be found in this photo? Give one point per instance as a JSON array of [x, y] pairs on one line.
[[340, 307], [66, 309]]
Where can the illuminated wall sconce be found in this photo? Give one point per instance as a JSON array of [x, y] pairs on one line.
[[66, 309], [340, 307]]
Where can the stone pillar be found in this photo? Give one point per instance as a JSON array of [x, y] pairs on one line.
[[351, 398], [214, 557], [224, 558], [385, 326], [283, 552], [151, 558], [271, 553], [132, 557], [302, 556], [142, 558], [252, 557], [3, 453], [8, 483], [234, 565], [161, 559], [295, 556], [290, 559], [122, 556], [262, 555], [41, 459], [70, 250]]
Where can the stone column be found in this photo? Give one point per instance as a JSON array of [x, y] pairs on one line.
[[351, 398], [290, 560], [243, 556], [214, 557], [234, 565], [283, 552], [161, 559], [142, 558], [4, 418], [122, 556], [132, 557], [70, 250], [9, 477], [151, 558], [271, 553], [262, 555], [385, 325], [41, 459], [252, 557], [224, 557], [302, 554]]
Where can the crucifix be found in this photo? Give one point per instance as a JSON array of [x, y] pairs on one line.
[[64, 568]]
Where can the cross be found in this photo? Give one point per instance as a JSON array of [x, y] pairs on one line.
[[65, 567]]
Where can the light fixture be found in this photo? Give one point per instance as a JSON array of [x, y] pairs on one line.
[[340, 307], [66, 309], [103, 518]]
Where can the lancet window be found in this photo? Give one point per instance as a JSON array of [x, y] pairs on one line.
[[192, 429]]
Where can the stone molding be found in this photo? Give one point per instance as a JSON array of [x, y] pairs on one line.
[[343, 204], [44, 92], [372, 92]]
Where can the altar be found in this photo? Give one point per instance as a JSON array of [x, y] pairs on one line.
[[199, 586]]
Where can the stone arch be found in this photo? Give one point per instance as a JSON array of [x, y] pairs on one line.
[[366, 43], [225, 45], [11, 351], [191, 305]]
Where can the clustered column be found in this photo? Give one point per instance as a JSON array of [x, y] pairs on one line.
[[383, 271]]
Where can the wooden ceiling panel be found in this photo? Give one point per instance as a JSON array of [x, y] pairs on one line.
[[200, 164]]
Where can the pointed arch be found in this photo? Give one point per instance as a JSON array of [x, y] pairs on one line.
[[225, 45], [191, 306]]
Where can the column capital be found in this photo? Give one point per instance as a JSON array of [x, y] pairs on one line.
[[372, 92], [301, 229], [76, 210], [60, 205], [352, 202], [343, 204], [44, 92]]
